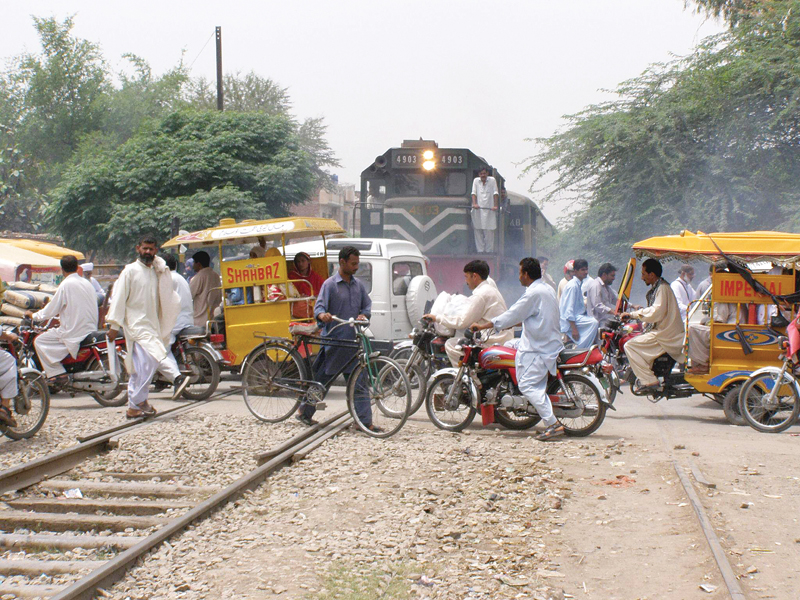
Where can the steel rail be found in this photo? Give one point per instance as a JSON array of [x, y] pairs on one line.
[[717, 552], [115, 569]]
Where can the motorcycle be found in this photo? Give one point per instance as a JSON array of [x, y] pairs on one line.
[[93, 370], [486, 380], [673, 385], [32, 402], [420, 357]]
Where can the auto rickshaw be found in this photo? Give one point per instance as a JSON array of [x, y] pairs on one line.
[[261, 310], [736, 349]]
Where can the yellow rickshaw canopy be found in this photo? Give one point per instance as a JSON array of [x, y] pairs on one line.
[[747, 245], [46, 248], [248, 232]]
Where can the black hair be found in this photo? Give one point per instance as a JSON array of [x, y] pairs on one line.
[[532, 267], [148, 238], [606, 268], [580, 263], [172, 262], [652, 266], [542, 259], [202, 257], [348, 251], [69, 263], [481, 267]]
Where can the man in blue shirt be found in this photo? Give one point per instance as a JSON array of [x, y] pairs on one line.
[[540, 344], [343, 296], [575, 323]]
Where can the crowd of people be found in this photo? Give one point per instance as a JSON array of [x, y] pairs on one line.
[[152, 303]]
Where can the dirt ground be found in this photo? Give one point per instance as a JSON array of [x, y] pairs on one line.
[[494, 514]]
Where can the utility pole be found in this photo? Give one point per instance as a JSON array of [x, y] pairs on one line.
[[219, 68]]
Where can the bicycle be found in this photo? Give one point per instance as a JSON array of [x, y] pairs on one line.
[[278, 378]]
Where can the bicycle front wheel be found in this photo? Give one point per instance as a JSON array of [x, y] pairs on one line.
[[272, 382], [379, 397], [765, 411], [30, 407]]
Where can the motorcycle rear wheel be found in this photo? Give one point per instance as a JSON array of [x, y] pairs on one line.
[[203, 372], [456, 419], [509, 420], [594, 408], [114, 397]]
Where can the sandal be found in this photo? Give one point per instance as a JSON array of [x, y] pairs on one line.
[[6, 417], [555, 430]]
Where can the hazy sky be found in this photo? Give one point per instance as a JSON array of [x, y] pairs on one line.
[[483, 75]]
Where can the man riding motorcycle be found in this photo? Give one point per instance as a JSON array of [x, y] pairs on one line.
[[666, 331], [484, 304], [75, 305], [540, 344]]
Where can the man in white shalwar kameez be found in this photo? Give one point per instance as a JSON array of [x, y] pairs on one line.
[[666, 331], [575, 322], [540, 344], [485, 202], [75, 305], [169, 366], [146, 307], [683, 290], [484, 304]]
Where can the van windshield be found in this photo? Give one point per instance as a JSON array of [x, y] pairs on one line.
[[364, 273]]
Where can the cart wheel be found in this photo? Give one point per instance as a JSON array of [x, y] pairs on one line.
[[730, 404]]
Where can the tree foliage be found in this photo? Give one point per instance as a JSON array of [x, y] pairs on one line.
[[708, 142], [197, 165]]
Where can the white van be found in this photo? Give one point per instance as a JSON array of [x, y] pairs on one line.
[[396, 277]]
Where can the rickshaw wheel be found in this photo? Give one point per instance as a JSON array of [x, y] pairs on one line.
[[730, 404]]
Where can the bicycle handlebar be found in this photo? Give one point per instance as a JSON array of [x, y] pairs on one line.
[[351, 322]]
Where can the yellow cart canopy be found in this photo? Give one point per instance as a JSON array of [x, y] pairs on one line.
[[750, 246], [46, 248], [229, 232]]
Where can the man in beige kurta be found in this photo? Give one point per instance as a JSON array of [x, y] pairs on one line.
[[206, 289], [483, 305], [665, 334]]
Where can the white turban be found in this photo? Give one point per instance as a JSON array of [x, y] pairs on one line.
[[87, 267]]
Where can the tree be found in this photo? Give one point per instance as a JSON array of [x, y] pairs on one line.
[[708, 142], [63, 91], [198, 166]]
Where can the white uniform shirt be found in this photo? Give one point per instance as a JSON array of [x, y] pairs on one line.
[[186, 316], [75, 305], [684, 294], [484, 217]]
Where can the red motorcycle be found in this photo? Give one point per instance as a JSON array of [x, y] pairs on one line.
[[486, 380], [90, 371]]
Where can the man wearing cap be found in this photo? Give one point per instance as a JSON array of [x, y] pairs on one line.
[[88, 269], [75, 305], [568, 274]]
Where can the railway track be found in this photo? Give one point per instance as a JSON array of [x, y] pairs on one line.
[[108, 525]]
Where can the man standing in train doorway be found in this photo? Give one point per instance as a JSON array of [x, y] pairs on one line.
[[485, 200]]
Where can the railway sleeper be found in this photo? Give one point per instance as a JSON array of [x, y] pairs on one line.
[[30, 591], [94, 506], [157, 490], [35, 568], [16, 519], [38, 543]]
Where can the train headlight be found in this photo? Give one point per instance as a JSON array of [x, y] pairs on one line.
[[430, 160]]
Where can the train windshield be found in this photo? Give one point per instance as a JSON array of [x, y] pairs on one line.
[[453, 183]]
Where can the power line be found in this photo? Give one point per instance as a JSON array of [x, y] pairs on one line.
[[201, 50]]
